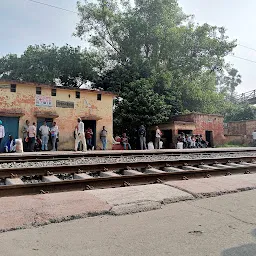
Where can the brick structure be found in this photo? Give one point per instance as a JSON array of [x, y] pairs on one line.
[[240, 131], [21, 101], [208, 125]]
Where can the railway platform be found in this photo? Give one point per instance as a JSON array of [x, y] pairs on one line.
[[121, 152], [36, 210]]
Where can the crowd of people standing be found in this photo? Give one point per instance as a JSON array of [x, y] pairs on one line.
[[138, 139], [37, 141]]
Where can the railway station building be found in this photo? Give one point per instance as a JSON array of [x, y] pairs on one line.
[[210, 126], [21, 101]]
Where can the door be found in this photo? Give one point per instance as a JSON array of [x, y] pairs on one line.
[[91, 124], [11, 126], [209, 138], [167, 138], [40, 122]]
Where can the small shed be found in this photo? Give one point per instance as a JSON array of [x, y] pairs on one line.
[[210, 126]]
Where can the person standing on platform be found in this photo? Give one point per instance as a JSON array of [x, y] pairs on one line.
[[157, 138], [88, 136], [32, 137], [25, 136], [80, 135], [44, 130], [54, 136], [103, 138], [2, 131], [142, 136]]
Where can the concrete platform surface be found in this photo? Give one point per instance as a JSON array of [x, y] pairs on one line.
[[139, 198], [216, 185], [24, 211], [220, 226]]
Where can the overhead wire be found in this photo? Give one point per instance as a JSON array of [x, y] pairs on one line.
[[244, 46], [52, 6], [242, 58]]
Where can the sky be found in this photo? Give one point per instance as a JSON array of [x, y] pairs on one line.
[[24, 23]]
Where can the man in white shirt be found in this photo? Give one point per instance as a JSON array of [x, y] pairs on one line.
[[157, 138], [80, 136], [32, 137], [44, 130], [54, 136], [254, 138]]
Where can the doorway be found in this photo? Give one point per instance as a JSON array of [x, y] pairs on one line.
[[40, 122], [11, 127], [92, 125], [209, 138], [167, 139]]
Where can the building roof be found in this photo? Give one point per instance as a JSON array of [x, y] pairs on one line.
[[56, 87], [197, 113]]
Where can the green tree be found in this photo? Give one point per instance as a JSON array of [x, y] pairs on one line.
[[240, 112], [141, 105], [155, 42], [228, 80], [46, 63], [155, 32]]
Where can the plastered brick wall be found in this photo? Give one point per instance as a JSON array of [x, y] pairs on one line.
[[243, 129], [237, 128], [88, 107]]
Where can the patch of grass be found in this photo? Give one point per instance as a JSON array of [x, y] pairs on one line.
[[232, 144]]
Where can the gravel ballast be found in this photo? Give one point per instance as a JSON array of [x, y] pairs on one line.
[[123, 159]]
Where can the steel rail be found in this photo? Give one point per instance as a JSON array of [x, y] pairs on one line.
[[97, 167], [44, 159], [119, 181]]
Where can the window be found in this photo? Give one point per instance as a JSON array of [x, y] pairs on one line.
[[78, 95], [54, 92], [98, 96], [38, 90], [13, 87]]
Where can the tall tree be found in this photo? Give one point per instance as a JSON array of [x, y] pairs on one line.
[[154, 31], [228, 80], [155, 42], [46, 63]]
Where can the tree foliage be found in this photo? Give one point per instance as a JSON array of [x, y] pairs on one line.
[[141, 105], [154, 56], [227, 81], [153, 42], [240, 112], [46, 63]]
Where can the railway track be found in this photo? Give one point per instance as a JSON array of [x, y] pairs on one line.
[[126, 172], [46, 156]]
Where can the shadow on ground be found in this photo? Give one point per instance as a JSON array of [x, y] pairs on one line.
[[243, 250]]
